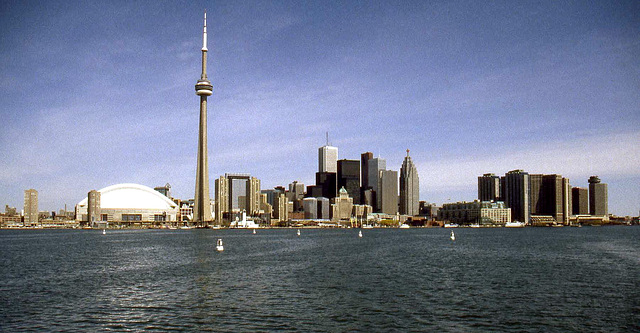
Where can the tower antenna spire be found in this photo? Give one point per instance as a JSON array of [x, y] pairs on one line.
[[202, 203], [327, 138]]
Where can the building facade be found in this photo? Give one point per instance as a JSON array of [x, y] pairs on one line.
[[30, 207], [342, 206], [409, 188], [376, 165], [349, 178], [388, 192], [516, 195], [580, 201], [127, 204], [598, 197], [476, 212], [328, 159], [489, 187]]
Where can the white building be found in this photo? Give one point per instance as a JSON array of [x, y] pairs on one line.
[[131, 203]]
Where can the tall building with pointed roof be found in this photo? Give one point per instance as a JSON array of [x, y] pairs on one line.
[[409, 188]]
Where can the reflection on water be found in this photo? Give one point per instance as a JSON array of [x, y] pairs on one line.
[[568, 279]]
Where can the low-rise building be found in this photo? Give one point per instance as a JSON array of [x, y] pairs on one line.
[[476, 212]]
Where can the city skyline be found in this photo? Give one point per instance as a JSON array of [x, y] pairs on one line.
[[470, 88]]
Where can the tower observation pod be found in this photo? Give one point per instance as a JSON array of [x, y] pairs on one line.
[[202, 204]]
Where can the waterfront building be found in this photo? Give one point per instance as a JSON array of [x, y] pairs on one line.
[[281, 213], [128, 204], [375, 165], [489, 187], [388, 192], [93, 207], [476, 212], [342, 206], [201, 210], [550, 196], [310, 206], [428, 210], [516, 195], [324, 208], [598, 197], [349, 178], [30, 208], [409, 188], [580, 201], [235, 192]]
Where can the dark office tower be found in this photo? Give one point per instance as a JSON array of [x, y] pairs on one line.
[[349, 178], [489, 187], [580, 201], [328, 181], [516, 195], [364, 169], [598, 197], [535, 194], [550, 195], [553, 197], [409, 188]]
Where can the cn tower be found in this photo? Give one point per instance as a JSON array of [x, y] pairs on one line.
[[202, 205]]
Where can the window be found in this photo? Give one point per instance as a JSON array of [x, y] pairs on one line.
[[131, 217]]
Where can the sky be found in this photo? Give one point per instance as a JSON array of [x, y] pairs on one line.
[[96, 93]]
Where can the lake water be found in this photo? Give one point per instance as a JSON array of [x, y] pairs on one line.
[[507, 280]]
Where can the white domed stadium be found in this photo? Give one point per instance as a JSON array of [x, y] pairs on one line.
[[132, 203]]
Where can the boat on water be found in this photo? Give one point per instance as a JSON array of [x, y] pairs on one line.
[[219, 246], [450, 225], [360, 233], [404, 226], [298, 232], [254, 231], [514, 224], [367, 226], [453, 236], [474, 226], [104, 231]]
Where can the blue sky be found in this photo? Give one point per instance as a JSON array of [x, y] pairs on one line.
[[98, 93]]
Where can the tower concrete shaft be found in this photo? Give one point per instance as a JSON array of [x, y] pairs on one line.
[[202, 204]]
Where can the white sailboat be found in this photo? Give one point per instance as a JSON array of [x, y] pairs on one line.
[[219, 246], [453, 236], [298, 232], [254, 231], [104, 231], [360, 233]]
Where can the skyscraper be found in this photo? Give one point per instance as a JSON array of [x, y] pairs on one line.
[[349, 178], [30, 207], [516, 195], [375, 166], [364, 169], [409, 188], [489, 187], [202, 204], [388, 192], [598, 197], [580, 201], [328, 159]]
